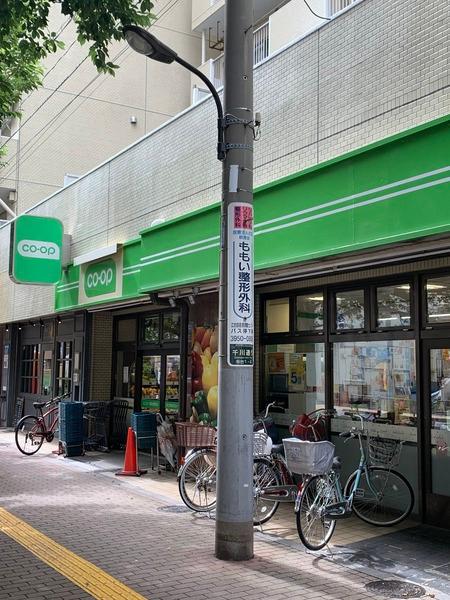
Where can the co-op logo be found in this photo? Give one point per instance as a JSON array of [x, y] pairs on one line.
[[38, 249], [100, 278]]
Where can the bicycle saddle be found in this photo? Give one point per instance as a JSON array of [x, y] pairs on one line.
[[277, 449], [39, 404]]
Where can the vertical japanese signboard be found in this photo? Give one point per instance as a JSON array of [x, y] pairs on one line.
[[240, 285]]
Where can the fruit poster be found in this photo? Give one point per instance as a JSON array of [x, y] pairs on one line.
[[205, 374]]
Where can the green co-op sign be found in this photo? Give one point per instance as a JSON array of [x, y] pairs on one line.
[[36, 250], [100, 278]]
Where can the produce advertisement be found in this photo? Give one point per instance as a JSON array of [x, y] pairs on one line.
[[205, 374]]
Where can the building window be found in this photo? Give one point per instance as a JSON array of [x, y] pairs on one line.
[[295, 376], [151, 330], [171, 327], [29, 374], [350, 310], [125, 374], [376, 377], [310, 312], [47, 367], [64, 358], [126, 330], [438, 299], [394, 305], [277, 315]]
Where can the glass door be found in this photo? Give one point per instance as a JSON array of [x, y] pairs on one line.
[[160, 383], [436, 411], [172, 387], [151, 382]]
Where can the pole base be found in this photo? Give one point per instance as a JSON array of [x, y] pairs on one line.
[[234, 541]]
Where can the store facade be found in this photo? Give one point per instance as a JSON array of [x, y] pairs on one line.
[[352, 270]]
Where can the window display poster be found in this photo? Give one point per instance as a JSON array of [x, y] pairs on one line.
[[296, 373], [276, 362], [205, 374]]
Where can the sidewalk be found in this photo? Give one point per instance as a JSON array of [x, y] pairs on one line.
[[137, 530]]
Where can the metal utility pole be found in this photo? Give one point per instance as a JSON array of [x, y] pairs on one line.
[[234, 523]]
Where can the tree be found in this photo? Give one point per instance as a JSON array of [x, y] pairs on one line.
[[25, 39]]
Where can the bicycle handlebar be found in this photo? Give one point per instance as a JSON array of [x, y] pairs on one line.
[[57, 399]]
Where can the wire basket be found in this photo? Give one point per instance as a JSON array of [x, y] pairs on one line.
[[308, 458], [384, 452], [260, 443], [193, 435]]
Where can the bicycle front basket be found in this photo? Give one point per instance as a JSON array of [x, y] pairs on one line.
[[308, 458]]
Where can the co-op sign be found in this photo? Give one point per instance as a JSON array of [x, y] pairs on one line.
[[35, 250], [100, 278]]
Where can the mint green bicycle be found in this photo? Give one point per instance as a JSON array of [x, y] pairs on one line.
[[374, 492]]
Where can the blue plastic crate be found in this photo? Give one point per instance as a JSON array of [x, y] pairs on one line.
[[145, 428], [71, 423]]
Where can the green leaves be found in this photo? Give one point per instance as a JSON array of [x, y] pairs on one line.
[[25, 38]]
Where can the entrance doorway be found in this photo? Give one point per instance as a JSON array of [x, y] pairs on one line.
[[159, 388], [436, 433]]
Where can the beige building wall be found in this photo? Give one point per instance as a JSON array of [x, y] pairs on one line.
[[379, 68], [292, 20], [70, 128]]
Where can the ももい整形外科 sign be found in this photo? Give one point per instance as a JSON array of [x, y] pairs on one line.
[[36, 250]]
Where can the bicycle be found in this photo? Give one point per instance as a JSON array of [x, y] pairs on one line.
[[31, 430], [374, 492], [197, 479], [285, 486]]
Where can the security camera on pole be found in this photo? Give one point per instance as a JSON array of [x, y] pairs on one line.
[[234, 509]]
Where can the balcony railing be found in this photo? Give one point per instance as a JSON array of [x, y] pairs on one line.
[[217, 71], [261, 43], [337, 5]]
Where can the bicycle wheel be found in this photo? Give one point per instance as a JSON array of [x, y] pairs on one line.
[[197, 481], [264, 475], [29, 435], [386, 499], [314, 528]]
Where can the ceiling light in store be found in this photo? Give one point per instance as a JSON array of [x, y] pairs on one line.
[[403, 287], [316, 298], [435, 286]]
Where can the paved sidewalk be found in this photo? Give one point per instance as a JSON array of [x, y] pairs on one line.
[[126, 527]]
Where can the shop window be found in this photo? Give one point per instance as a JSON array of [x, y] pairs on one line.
[[350, 310], [47, 367], [64, 357], [394, 305], [294, 376], [171, 327], [126, 330], [173, 385], [277, 315], [125, 374], [310, 312], [377, 378], [151, 329], [438, 299], [29, 371], [151, 383]]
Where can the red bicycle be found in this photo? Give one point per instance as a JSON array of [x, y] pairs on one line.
[[32, 430]]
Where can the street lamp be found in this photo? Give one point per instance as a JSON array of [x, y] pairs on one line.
[[234, 507], [145, 43]]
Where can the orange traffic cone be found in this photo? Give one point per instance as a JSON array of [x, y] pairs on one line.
[[130, 466]]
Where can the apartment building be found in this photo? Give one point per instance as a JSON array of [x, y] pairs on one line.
[[352, 242], [79, 118]]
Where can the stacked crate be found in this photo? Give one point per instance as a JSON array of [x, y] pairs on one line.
[[71, 428]]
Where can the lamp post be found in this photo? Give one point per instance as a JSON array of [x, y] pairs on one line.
[[234, 508]]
